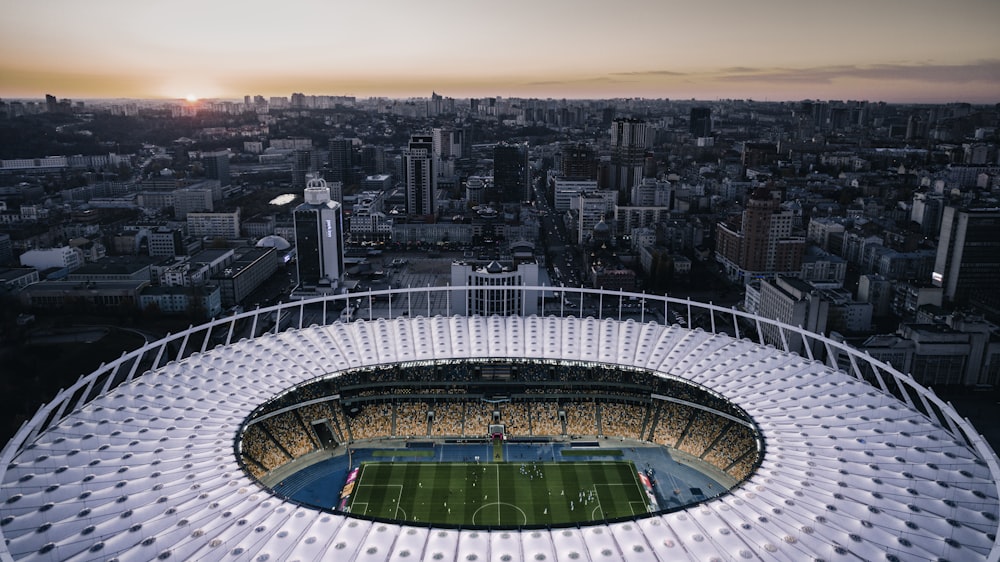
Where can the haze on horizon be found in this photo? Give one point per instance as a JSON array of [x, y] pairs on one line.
[[888, 50]]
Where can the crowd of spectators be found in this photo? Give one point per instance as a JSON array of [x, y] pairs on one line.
[[701, 433], [581, 418], [411, 419], [545, 399], [374, 420], [622, 419], [287, 430], [545, 419], [448, 419]]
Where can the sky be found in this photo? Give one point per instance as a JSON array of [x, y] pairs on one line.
[[880, 50]]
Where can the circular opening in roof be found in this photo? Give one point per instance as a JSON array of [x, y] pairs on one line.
[[464, 443]]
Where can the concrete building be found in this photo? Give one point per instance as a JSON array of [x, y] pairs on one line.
[[793, 302], [217, 166], [651, 192], [197, 269], [823, 269], [249, 268], [203, 302], [760, 243], [494, 288], [82, 296], [876, 290], [419, 176], [368, 221], [214, 225], [591, 208], [819, 230], [941, 354], [165, 242], [377, 182], [13, 279], [565, 189], [193, 200], [630, 139]]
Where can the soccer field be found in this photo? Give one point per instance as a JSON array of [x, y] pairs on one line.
[[506, 494]]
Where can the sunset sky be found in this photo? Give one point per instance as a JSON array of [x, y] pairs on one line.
[[890, 50]]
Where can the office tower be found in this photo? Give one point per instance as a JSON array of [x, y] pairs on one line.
[[341, 160], [217, 166], [760, 242], [629, 140], [303, 163], [701, 122], [373, 160], [419, 176], [319, 240], [578, 162], [511, 173], [968, 254]]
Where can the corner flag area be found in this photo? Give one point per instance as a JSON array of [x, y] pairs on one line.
[[509, 494]]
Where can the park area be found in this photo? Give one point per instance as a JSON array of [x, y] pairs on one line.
[[505, 494]]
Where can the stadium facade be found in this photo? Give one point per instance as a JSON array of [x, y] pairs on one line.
[[138, 460]]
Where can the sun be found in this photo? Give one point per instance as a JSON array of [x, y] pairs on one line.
[[191, 98]]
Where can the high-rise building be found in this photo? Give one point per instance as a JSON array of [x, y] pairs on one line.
[[217, 166], [511, 174], [319, 240], [578, 162], [968, 253], [760, 243], [373, 159], [341, 160], [419, 176], [701, 122], [629, 140], [303, 164]]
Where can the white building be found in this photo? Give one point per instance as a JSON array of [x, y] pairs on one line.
[[496, 289], [64, 257], [214, 225], [820, 229], [565, 190], [591, 208], [652, 192], [792, 302]]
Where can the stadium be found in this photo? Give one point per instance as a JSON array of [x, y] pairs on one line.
[[197, 446]]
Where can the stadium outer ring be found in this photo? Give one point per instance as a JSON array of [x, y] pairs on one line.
[[134, 461]]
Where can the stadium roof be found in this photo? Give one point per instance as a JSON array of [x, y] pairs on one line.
[[147, 470]]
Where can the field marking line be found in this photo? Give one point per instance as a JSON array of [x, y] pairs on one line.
[[359, 503], [399, 497], [358, 480], [599, 506], [524, 516], [496, 468]]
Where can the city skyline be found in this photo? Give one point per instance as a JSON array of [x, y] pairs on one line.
[[907, 51]]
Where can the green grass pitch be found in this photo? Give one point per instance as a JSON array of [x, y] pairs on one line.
[[507, 494]]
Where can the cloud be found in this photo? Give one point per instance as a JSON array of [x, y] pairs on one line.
[[577, 81], [979, 71], [651, 73]]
